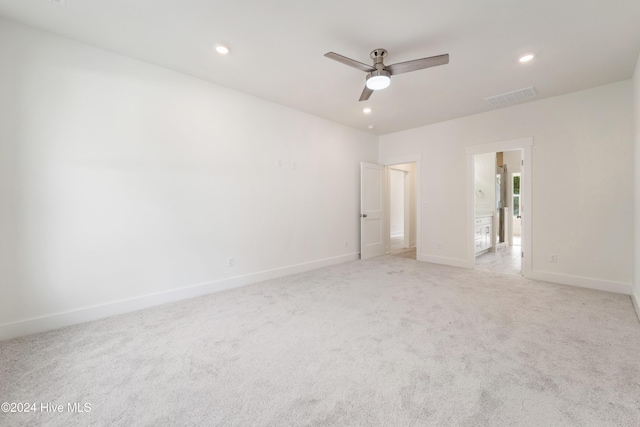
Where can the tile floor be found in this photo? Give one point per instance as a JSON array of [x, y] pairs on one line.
[[504, 260]]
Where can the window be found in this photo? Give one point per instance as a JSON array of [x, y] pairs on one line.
[[516, 194]]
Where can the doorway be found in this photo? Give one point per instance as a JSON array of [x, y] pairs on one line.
[[494, 227], [402, 210], [496, 205], [375, 226]]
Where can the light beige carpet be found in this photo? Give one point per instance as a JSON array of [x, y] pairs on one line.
[[381, 342]]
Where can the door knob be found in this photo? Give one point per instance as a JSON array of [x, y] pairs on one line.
[[363, 215]]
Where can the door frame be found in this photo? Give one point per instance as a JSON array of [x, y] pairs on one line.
[[524, 144], [388, 162]]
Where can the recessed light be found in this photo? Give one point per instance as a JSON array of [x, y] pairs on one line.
[[370, 126], [222, 50], [526, 58], [366, 110]]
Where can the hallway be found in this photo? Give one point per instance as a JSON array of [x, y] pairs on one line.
[[398, 249]]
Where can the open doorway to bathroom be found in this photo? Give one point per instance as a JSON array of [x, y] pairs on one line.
[[402, 210], [498, 220]]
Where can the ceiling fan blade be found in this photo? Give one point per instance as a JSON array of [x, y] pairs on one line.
[[366, 93], [350, 62], [417, 64]]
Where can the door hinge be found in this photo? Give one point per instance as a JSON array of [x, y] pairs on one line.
[[522, 162], [521, 254]]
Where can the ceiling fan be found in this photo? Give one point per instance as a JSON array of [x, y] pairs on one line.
[[379, 75]]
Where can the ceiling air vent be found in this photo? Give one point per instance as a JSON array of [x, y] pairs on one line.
[[515, 96]]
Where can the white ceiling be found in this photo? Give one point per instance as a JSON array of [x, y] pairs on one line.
[[277, 48]]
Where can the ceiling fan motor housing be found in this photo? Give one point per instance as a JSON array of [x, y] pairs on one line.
[[378, 55], [379, 78]]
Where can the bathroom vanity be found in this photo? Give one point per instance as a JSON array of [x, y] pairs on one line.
[[484, 233]]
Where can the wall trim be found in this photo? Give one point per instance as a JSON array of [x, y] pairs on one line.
[[635, 299], [454, 262], [582, 282], [100, 311]]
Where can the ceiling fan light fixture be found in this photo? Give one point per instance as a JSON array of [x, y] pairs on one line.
[[379, 79]]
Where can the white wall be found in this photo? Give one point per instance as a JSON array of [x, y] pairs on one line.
[[582, 175], [121, 180], [485, 183], [636, 114]]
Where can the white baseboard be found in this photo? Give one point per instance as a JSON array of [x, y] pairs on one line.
[[635, 299], [582, 282], [562, 279], [454, 262], [95, 312]]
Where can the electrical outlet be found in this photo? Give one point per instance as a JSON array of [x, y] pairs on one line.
[[294, 165], [279, 163], [553, 258], [232, 262]]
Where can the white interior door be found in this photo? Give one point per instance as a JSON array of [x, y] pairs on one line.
[[371, 210]]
